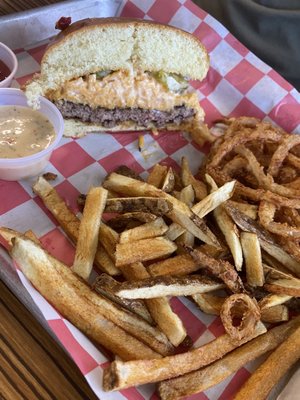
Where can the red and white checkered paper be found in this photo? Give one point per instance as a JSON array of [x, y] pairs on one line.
[[238, 83]]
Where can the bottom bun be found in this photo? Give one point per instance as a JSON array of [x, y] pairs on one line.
[[199, 131]]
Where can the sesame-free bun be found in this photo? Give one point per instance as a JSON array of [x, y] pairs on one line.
[[96, 44]]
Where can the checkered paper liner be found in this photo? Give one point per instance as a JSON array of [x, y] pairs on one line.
[[238, 83]]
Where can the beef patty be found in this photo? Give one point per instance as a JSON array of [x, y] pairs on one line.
[[110, 118]]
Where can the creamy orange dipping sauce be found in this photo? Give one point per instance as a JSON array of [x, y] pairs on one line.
[[23, 132]]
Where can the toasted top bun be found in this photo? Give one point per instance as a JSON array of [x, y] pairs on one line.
[[91, 45]]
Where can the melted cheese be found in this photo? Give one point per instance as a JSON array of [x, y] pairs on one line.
[[123, 89]]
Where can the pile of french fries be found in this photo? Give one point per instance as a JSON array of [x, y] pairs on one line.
[[172, 235]]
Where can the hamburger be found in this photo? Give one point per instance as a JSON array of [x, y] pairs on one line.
[[116, 74]]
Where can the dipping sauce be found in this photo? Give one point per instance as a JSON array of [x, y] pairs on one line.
[[4, 71], [23, 132]]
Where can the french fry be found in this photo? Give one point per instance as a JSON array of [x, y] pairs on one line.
[[180, 213], [209, 303], [120, 375], [157, 175], [174, 231], [169, 181], [272, 300], [87, 240], [145, 204], [179, 265], [214, 199], [66, 219], [76, 301], [228, 228], [188, 179], [120, 222], [275, 314], [106, 285], [261, 382], [126, 171], [104, 261], [168, 286], [250, 210], [143, 250], [204, 378], [187, 195], [159, 308], [253, 261], [109, 239], [145, 231]]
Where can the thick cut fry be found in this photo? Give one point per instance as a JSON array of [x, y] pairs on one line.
[[204, 378], [143, 250], [174, 231], [145, 231], [214, 199], [253, 261], [248, 209], [167, 286], [107, 286], [157, 175], [275, 314], [228, 228], [261, 382], [181, 213], [66, 218], [145, 204], [120, 222], [120, 375], [160, 309], [220, 268], [75, 300], [109, 239], [187, 195], [209, 303], [188, 179], [179, 265], [169, 181], [279, 282], [104, 262], [272, 300], [88, 234]]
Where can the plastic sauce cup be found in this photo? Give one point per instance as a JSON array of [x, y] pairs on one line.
[[13, 169], [9, 59]]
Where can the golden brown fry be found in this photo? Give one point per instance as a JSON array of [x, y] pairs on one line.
[[253, 261], [157, 175], [109, 239], [106, 285], [179, 265], [204, 378], [209, 303], [214, 199], [275, 314], [104, 262], [272, 300], [188, 179], [145, 204], [187, 195], [145, 231], [174, 231], [167, 286], [88, 234], [67, 219], [262, 381], [181, 213], [76, 301], [169, 181], [120, 375], [160, 309], [249, 209], [279, 282], [143, 250]]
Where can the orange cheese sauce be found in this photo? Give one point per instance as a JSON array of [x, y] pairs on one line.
[[23, 132], [123, 89]]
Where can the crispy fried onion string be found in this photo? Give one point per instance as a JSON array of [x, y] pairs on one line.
[[220, 268], [240, 307], [266, 213], [281, 153]]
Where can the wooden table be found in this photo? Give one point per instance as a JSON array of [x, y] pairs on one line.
[[32, 365]]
